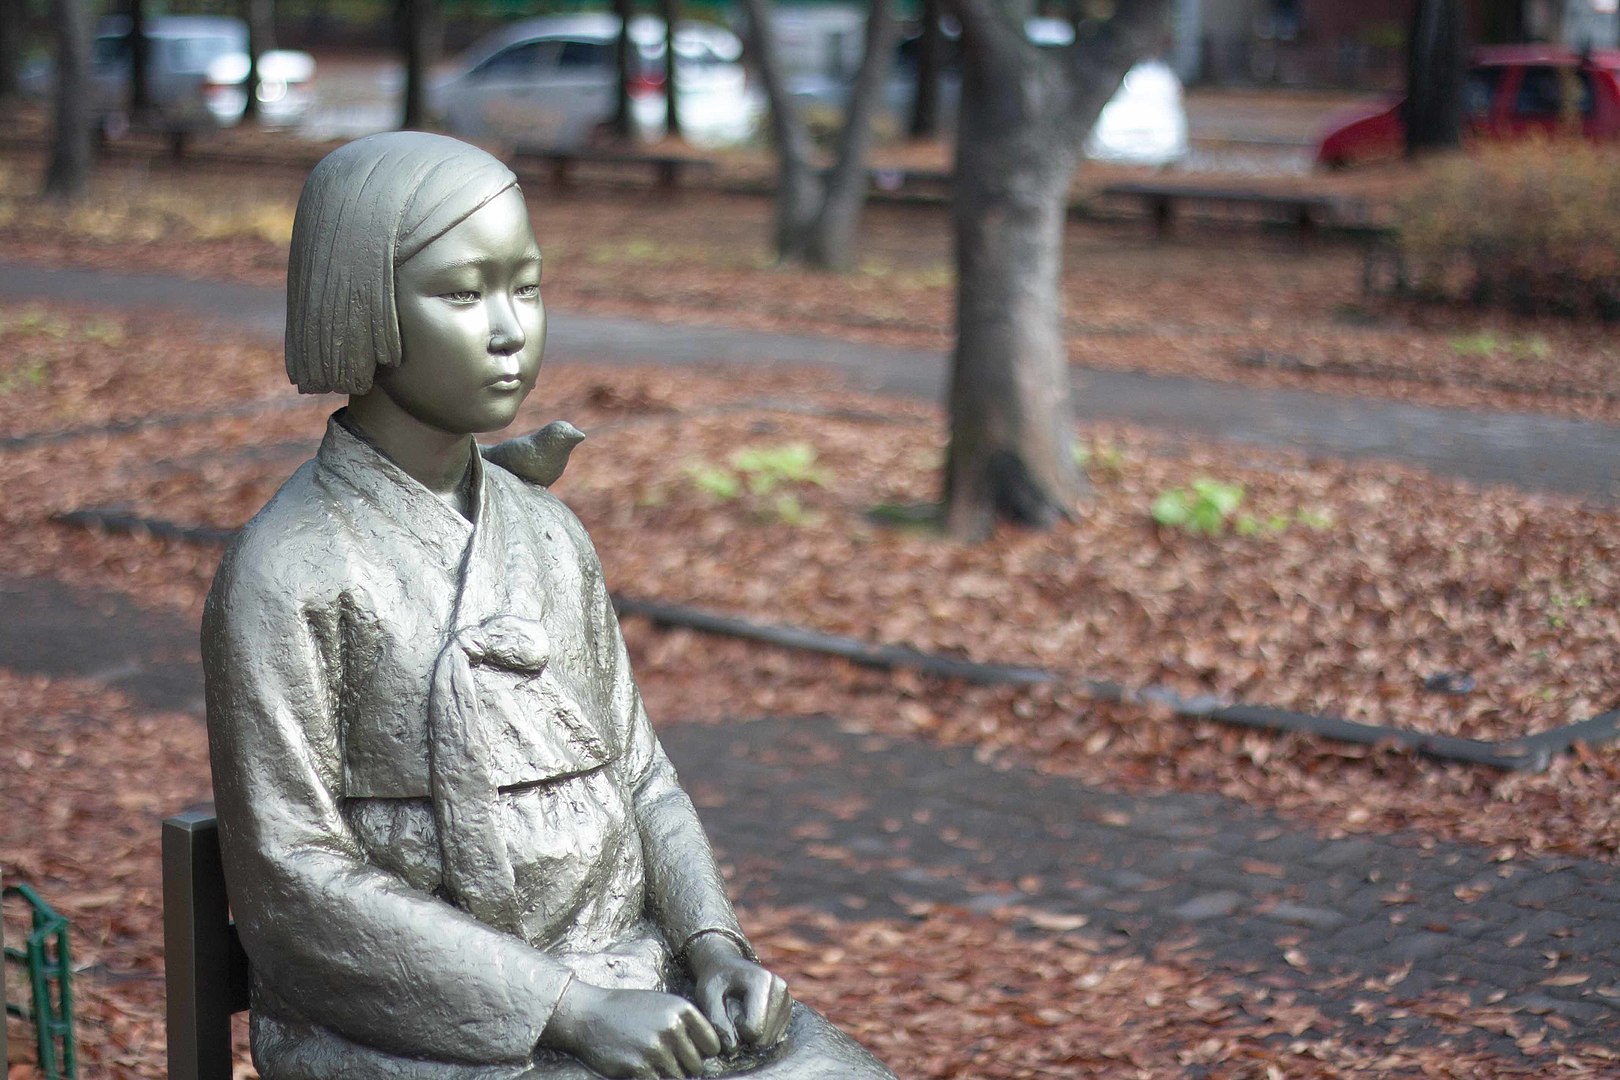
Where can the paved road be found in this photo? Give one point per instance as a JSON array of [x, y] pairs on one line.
[[1528, 451], [1352, 926]]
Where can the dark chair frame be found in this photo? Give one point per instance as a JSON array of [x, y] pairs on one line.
[[206, 969]]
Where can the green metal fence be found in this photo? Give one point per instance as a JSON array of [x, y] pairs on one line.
[[50, 981]]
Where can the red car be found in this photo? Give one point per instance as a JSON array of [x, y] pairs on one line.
[[1511, 91]]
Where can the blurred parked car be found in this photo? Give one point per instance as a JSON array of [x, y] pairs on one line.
[[196, 75], [1144, 123], [551, 83], [1510, 91]]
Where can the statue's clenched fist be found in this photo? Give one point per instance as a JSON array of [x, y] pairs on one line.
[[747, 1004], [631, 1034]]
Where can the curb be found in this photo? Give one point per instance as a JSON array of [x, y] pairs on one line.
[[1533, 753]]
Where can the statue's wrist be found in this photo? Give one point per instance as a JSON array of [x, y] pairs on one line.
[[709, 948], [570, 1017]]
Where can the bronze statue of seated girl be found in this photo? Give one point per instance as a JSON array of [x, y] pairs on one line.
[[453, 845]]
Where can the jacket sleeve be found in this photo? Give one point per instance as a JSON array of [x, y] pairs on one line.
[[686, 894], [348, 945]]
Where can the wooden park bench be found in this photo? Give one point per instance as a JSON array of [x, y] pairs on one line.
[[206, 969], [667, 169], [1305, 211]]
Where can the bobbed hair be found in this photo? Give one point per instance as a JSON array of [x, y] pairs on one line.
[[366, 208]]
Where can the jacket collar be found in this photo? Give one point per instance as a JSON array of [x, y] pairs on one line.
[[360, 464]]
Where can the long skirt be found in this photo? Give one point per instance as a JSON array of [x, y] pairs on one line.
[[812, 1049]]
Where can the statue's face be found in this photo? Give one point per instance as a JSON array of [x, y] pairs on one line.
[[471, 324]]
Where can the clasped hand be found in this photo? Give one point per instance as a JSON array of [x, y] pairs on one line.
[[646, 1035]]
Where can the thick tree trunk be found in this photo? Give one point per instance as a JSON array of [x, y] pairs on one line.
[[1012, 426], [670, 12], [1024, 116], [1436, 65], [420, 30], [68, 175], [261, 22], [925, 117]]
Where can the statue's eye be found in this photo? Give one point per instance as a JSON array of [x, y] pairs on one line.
[[462, 296], [527, 292]]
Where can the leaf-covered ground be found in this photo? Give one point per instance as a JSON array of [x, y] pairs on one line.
[[944, 994], [1231, 303], [1375, 578], [1334, 588]]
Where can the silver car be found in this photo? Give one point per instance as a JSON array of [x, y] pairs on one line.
[[1144, 123], [197, 69], [550, 83]]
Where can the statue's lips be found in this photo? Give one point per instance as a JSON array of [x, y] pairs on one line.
[[504, 382]]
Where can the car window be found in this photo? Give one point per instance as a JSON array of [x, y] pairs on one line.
[[516, 61], [193, 53], [699, 53], [1542, 92], [584, 54], [1479, 91], [107, 51]]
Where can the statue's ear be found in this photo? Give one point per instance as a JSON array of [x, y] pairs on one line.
[[539, 458]]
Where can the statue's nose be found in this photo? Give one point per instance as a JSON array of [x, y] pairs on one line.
[[505, 332]]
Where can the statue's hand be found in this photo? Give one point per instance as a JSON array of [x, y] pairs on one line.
[[745, 1003], [630, 1033]]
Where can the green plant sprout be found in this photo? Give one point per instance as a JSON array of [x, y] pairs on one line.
[[1208, 506], [1560, 603], [1205, 507], [30, 374], [767, 468], [722, 483], [762, 474], [35, 320], [636, 252], [1100, 459], [1486, 343], [1249, 525]]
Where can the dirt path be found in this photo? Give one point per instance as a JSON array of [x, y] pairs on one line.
[[1531, 452]]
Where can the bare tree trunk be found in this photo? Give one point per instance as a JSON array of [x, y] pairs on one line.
[[816, 219], [68, 175], [1436, 65], [798, 188], [831, 245], [420, 30], [925, 118], [625, 10], [1011, 450], [140, 61], [261, 22], [1501, 22], [670, 12], [1024, 116]]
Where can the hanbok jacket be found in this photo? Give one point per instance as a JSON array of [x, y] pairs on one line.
[[439, 796]]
